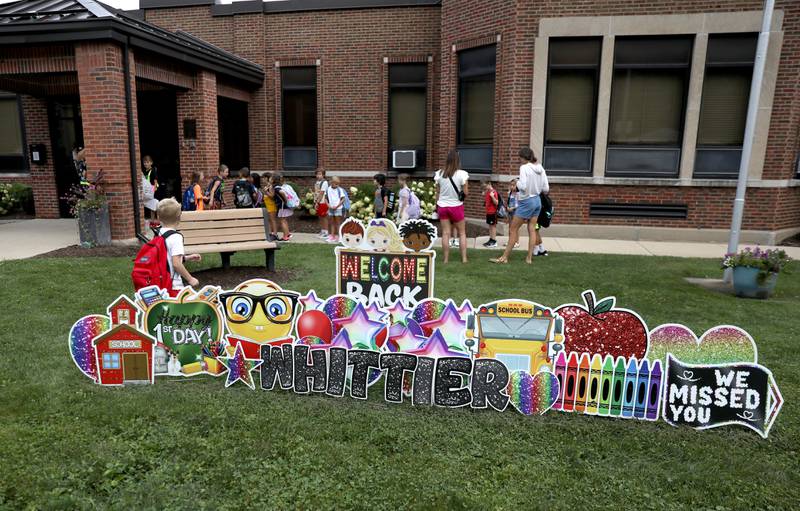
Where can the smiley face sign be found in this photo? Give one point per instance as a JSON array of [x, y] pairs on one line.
[[187, 327]]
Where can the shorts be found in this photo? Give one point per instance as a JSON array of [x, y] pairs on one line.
[[285, 213], [491, 219], [453, 213], [529, 208], [336, 212]]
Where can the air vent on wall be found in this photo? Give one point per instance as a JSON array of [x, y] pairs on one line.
[[638, 210]]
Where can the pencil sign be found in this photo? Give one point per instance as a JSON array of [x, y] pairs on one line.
[[709, 396], [382, 265]]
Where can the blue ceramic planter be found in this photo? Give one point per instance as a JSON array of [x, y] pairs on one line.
[[745, 283]]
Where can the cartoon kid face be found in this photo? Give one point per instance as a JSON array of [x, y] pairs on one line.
[[351, 240], [417, 242], [378, 242], [259, 310]]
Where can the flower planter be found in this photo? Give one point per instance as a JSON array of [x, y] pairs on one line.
[[746, 284], [94, 226]]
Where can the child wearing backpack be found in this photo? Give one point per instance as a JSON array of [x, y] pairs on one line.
[[199, 198], [216, 187], [320, 190], [282, 197], [335, 196], [244, 193], [384, 198], [491, 202], [160, 260], [272, 209], [404, 199], [258, 201]]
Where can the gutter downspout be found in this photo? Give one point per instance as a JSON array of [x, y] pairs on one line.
[[749, 132], [132, 142]]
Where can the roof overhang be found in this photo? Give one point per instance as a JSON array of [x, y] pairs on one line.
[[259, 6], [114, 29]]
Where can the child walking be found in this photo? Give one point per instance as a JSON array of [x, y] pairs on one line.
[[244, 193], [511, 205], [149, 187], [169, 214], [281, 201], [335, 197], [491, 200], [272, 208], [216, 187], [320, 189], [199, 198], [381, 196]]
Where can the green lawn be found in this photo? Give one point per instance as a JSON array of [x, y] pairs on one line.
[[67, 443]]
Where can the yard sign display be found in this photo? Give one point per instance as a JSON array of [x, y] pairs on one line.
[[384, 325]]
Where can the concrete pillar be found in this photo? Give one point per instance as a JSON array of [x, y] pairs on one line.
[[199, 105], [101, 82]]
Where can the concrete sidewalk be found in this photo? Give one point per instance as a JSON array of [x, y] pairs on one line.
[[20, 239], [600, 246]]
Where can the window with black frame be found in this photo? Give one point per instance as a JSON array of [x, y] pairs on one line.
[[723, 110], [299, 109], [570, 113], [648, 102], [407, 114], [476, 81], [234, 133], [12, 150]]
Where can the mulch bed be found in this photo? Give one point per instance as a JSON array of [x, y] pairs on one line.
[[311, 224], [794, 241], [79, 251]]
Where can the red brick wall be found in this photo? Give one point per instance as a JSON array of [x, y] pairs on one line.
[[200, 104], [105, 129]]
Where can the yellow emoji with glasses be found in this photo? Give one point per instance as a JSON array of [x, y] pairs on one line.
[[259, 310]]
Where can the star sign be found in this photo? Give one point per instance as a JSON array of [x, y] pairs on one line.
[[310, 301], [375, 313], [404, 341], [360, 329], [436, 347], [239, 367], [398, 312], [449, 324], [466, 309]]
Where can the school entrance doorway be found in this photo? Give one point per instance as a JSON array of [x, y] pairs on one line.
[[134, 366], [66, 134], [157, 111]]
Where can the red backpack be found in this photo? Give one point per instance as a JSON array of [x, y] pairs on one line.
[[151, 266]]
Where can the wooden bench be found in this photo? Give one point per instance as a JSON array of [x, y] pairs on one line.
[[227, 231]]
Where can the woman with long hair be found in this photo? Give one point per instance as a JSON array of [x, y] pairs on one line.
[[451, 191], [532, 181]]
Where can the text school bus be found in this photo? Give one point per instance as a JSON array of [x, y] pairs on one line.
[[521, 334]]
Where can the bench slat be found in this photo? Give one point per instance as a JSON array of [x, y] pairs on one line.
[[222, 214], [221, 224], [231, 247], [223, 234], [228, 238]]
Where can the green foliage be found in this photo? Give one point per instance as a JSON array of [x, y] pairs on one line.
[[15, 197], [181, 444], [767, 261]]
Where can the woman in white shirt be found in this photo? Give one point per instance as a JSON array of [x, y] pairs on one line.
[[451, 190], [532, 182]]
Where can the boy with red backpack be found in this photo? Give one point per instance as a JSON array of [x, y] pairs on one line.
[[160, 260]]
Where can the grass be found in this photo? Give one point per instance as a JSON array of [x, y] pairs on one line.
[[67, 443]]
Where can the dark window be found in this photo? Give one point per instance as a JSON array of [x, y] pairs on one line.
[[723, 111], [573, 75], [299, 91], [407, 110], [12, 152], [648, 102], [476, 77], [234, 133]]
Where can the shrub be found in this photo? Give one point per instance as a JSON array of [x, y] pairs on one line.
[[15, 197]]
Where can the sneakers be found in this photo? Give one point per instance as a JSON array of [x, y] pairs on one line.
[[491, 243], [332, 239], [273, 237], [454, 242], [541, 253], [323, 234], [286, 237]]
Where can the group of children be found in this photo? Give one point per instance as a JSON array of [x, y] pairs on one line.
[[331, 203], [498, 209]]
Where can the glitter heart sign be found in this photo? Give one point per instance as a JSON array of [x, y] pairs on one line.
[[722, 344], [533, 395]]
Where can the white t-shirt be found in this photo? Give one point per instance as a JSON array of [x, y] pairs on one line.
[[448, 197], [174, 247], [532, 181], [335, 196], [321, 187]]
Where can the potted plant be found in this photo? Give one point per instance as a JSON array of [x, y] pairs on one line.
[[88, 203], [755, 272]]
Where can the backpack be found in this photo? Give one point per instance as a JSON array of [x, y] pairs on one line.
[[346, 205], [188, 203], [390, 200], [546, 215], [218, 193], [502, 212], [292, 201], [259, 199], [241, 194], [151, 266], [413, 205]]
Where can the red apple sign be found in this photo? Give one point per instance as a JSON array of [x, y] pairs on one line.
[[598, 327]]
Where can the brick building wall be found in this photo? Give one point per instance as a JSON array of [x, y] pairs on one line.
[[199, 104]]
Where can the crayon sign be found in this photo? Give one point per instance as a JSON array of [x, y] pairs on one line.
[[708, 396], [385, 277]]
